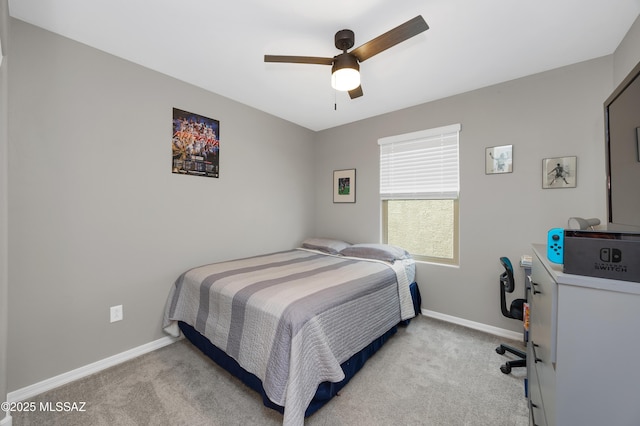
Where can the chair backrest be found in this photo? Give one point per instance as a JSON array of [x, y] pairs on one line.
[[506, 278], [507, 285]]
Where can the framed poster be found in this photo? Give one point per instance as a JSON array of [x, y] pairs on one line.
[[559, 172], [498, 159], [344, 186], [195, 145]]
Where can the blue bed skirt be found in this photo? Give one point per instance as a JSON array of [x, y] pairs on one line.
[[326, 390]]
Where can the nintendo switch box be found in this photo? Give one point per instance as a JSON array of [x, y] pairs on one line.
[[602, 254]]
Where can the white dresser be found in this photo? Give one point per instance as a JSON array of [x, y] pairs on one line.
[[583, 354]]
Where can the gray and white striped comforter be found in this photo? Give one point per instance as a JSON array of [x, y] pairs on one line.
[[291, 318]]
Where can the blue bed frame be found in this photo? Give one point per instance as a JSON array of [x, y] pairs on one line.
[[326, 390]]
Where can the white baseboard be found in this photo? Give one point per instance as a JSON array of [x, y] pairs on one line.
[[6, 421], [501, 332], [87, 370]]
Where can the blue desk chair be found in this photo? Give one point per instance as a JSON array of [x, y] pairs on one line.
[[515, 311]]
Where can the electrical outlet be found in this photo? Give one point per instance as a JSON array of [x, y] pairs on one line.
[[116, 313]]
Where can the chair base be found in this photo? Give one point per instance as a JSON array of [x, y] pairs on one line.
[[506, 368]]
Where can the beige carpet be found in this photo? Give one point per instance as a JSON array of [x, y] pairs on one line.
[[429, 373]]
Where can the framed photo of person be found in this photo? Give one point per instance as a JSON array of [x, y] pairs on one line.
[[498, 159], [559, 172]]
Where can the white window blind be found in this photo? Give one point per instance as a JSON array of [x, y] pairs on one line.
[[420, 165]]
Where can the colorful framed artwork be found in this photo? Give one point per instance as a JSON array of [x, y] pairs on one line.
[[559, 172], [498, 159], [344, 186], [195, 145]]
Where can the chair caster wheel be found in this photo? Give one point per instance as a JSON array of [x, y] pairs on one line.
[[500, 350], [506, 368]]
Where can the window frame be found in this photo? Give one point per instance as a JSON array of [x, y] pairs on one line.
[[453, 261], [443, 195]]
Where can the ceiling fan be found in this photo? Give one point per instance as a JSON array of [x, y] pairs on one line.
[[345, 71]]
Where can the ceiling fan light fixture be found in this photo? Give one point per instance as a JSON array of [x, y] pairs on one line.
[[345, 73]]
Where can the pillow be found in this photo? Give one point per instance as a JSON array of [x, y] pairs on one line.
[[385, 252], [326, 245]]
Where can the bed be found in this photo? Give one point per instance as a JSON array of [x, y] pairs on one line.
[[295, 325]]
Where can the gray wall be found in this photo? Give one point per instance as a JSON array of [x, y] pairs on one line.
[[556, 113], [4, 189], [552, 114], [627, 55], [97, 217]]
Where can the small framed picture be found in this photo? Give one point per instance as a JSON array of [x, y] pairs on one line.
[[344, 186], [559, 172], [195, 144], [498, 159]]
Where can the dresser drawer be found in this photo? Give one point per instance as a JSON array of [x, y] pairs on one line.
[[545, 375], [536, 404], [542, 321]]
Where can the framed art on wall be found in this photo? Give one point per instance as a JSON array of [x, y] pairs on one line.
[[559, 172], [195, 145], [344, 186], [498, 159]]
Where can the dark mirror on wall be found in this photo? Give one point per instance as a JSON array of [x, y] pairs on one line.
[[622, 121]]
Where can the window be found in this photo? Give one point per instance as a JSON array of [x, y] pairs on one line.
[[419, 187]]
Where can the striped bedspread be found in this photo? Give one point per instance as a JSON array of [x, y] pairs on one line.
[[291, 318]]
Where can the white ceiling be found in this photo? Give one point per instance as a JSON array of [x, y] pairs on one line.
[[220, 45]]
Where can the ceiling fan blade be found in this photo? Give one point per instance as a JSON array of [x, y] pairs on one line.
[[392, 37], [299, 59], [355, 93]]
